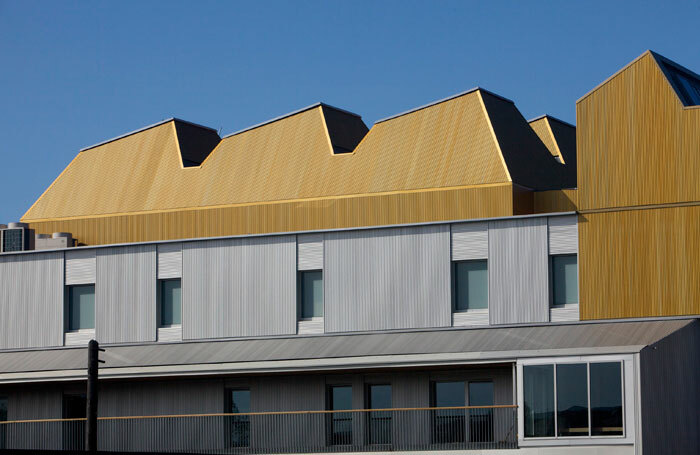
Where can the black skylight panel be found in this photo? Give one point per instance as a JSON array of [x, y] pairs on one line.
[[686, 84]]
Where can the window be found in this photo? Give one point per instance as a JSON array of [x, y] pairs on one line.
[[169, 303], [470, 285], [74, 407], [448, 424], [339, 423], [310, 285], [379, 422], [81, 307], [481, 420], [564, 279], [3, 418], [239, 403], [557, 398]]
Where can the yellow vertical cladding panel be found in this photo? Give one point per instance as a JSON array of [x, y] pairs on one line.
[[639, 263], [544, 132], [556, 201], [637, 144], [330, 213]]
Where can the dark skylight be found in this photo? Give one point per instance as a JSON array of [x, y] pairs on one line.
[[686, 84]]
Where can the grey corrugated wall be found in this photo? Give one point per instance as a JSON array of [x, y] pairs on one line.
[[239, 287], [563, 234], [310, 252], [34, 402], [518, 271], [80, 267], [670, 393], [387, 279], [470, 241], [169, 260], [125, 294], [31, 300]]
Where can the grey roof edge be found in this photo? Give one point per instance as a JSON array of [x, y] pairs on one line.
[[131, 133], [289, 114], [551, 117], [273, 234], [451, 97]]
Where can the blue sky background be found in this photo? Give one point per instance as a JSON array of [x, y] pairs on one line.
[[76, 73]]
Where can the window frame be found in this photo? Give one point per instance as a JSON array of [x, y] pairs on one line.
[[369, 419], [159, 304], [300, 295], [628, 387], [330, 421], [453, 286], [552, 303], [67, 308]]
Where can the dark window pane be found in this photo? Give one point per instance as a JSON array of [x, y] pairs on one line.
[[481, 420], [240, 424], [340, 423], [3, 418], [311, 294], [81, 307], [448, 424], [565, 279], [572, 400], [606, 399], [538, 391], [471, 285], [170, 303], [74, 430], [379, 422]]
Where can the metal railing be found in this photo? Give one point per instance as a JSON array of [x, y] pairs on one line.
[[361, 430]]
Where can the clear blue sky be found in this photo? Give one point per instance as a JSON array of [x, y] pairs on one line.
[[76, 73]]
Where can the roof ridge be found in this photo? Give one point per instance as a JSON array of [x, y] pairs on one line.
[[615, 74], [539, 117]]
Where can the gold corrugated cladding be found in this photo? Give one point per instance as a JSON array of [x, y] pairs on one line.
[[637, 144], [543, 131], [367, 210], [639, 263], [556, 201]]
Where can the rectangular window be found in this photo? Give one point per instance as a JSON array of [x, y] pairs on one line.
[[169, 302], [239, 403], [3, 418], [379, 422], [480, 419], [573, 386], [310, 284], [448, 424], [74, 407], [81, 307], [470, 285], [564, 279], [339, 423]]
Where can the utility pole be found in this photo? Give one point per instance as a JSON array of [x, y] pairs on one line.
[[91, 401]]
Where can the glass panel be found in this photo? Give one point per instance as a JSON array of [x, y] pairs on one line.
[[572, 400], [3, 418], [340, 423], [538, 391], [481, 420], [74, 431], [311, 294], [606, 399], [448, 424], [240, 424], [565, 278], [81, 307], [170, 303], [471, 285], [379, 424]]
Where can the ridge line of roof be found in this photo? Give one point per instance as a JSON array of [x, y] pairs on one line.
[[289, 114], [130, 133], [670, 62], [615, 74], [433, 103], [539, 117]]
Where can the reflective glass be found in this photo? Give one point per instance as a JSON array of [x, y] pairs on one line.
[[81, 307], [538, 391], [565, 277], [448, 424], [311, 283], [340, 422], [606, 399], [240, 424], [471, 285], [170, 303], [379, 425], [572, 399]]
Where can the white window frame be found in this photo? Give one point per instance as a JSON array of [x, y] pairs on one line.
[[629, 394]]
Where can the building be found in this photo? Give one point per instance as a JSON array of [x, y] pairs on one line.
[[454, 278]]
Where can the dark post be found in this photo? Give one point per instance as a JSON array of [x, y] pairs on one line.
[[91, 401]]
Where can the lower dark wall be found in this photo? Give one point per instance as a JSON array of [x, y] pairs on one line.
[[670, 378]]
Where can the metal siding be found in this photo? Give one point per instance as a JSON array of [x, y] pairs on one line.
[[169, 260], [239, 287], [473, 317], [564, 313], [310, 252], [80, 267], [563, 234], [470, 241], [31, 300], [125, 294], [518, 271], [387, 279]]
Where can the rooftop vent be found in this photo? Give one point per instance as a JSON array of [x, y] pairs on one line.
[[16, 237]]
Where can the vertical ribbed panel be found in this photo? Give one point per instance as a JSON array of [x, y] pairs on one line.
[[387, 279], [169, 260], [125, 294], [470, 241], [518, 271], [310, 252], [31, 300], [563, 235], [80, 267], [239, 287]]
